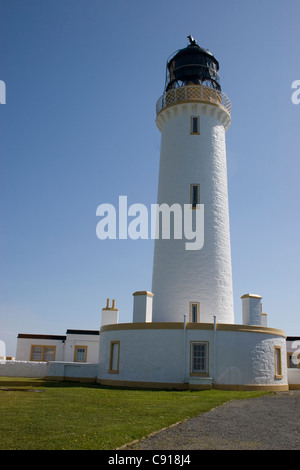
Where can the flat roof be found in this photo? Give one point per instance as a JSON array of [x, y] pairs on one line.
[[33, 336], [83, 332], [59, 337]]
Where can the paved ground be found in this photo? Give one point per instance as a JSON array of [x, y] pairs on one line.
[[271, 422]]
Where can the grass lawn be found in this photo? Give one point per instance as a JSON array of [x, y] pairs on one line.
[[71, 416]]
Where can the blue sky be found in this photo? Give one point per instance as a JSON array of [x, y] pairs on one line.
[[78, 130]]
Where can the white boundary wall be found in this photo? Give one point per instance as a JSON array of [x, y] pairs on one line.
[[294, 378], [72, 370], [23, 369]]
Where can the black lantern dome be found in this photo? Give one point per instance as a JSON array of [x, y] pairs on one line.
[[192, 65]]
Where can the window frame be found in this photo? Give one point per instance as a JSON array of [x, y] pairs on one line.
[[191, 312], [192, 128], [192, 203], [111, 357], [43, 347], [278, 362], [290, 356], [79, 346], [205, 371]]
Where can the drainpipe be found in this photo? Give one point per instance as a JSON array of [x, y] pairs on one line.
[[184, 352], [215, 349]]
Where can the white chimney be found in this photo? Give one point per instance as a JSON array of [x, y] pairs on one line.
[[110, 315], [142, 306], [252, 310]]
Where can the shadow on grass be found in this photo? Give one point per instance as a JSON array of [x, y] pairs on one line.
[[15, 384], [22, 384]]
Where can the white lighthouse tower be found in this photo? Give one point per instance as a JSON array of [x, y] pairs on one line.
[[194, 278], [182, 334]]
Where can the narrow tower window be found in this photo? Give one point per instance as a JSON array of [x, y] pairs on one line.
[[195, 195], [194, 312], [114, 357], [278, 366], [195, 125]]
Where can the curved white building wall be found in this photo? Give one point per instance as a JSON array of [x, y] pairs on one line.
[[249, 358], [182, 276], [145, 355], [157, 355]]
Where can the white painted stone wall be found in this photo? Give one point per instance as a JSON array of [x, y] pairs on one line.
[[23, 369], [163, 355], [145, 355], [181, 276], [65, 370], [248, 358], [294, 378]]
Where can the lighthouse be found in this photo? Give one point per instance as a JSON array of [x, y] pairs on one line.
[[193, 115], [182, 334]]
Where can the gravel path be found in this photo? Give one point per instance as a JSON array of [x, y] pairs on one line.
[[271, 422]]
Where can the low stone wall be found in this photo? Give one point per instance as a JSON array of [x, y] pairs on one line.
[[72, 371], [22, 369]]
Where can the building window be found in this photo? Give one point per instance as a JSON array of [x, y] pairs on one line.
[[293, 361], [80, 354], [199, 358], [49, 353], [114, 357], [194, 316], [278, 366], [195, 125], [195, 195], [42, 353]]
